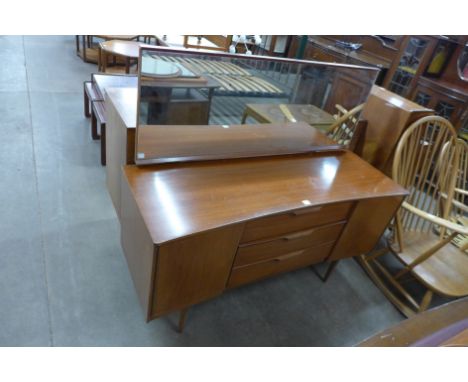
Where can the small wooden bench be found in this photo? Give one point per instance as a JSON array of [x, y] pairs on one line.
[[90, 94], [94, 102]]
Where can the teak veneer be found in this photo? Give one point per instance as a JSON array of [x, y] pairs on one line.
[[192, 230]]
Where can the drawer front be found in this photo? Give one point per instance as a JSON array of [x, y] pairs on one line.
[[294, 221], [283, 263], [266, 250]]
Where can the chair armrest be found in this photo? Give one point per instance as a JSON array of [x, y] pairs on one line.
[[435, 219]]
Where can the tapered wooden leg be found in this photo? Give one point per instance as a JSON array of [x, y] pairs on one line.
[[426, 301], [329, 270], [182, 317], [244, 117]]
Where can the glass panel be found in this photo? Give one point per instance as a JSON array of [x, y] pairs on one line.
[[444, 109], [463, 64], [422, 99], [408, 66], [220, 96], [440, 58]]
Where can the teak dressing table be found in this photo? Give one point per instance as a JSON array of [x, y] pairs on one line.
[[191, 230]]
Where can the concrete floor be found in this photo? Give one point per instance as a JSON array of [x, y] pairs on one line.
[[63, 277]]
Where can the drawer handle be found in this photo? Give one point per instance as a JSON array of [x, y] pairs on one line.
[[304, 211], [289, 255], [298, 235]]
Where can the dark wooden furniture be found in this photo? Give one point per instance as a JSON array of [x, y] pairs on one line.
[[95, 107], [192, 230], [387, 115], [421, 68], [448, 100], [425, 71], [271, 113], [373, 51], [422, 325]]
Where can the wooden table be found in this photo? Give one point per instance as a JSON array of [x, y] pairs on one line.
[[84, 45], [421, 326], [128, 50], [190, 231], [271, 113]]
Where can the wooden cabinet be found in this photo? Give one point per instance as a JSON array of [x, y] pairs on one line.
[[387, 115], [192, 230], [446, 99], [413, 58], [426, 72]]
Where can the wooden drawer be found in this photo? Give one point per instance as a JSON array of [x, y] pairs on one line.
[[294, 221], [266, 250], [283, 263]]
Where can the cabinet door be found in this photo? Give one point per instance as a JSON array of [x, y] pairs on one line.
[[411, 63], [193, 269]]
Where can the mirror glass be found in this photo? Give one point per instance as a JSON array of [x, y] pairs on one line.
[[195, 105]]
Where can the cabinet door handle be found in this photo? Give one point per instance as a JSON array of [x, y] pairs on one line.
[[304, 211], [289, 255]]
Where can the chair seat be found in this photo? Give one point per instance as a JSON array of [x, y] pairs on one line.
[[446, 271]]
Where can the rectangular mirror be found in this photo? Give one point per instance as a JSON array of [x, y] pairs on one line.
[[195, 105]]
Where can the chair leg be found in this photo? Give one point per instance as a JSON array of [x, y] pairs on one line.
[[377, 272], [182, 317], [426, 301], [329, 270]]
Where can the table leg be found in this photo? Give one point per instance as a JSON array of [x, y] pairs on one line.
[[127, 65], [99, 65], [86, 102], [104, 61], [244, 117], [182, 317], [94, 133], [103, 144], [83, 41], [77, 42]]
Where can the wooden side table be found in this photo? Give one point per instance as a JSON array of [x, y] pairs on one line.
[[85, 48], [271, 113], [128, 50]]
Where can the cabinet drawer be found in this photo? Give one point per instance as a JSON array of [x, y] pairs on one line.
[[266, 250], [283, 263], [304, 218]]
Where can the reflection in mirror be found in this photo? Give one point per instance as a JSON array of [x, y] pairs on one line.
[[202, 92], [463, 64]]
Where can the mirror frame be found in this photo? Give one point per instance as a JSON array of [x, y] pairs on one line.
[[189, 51]]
